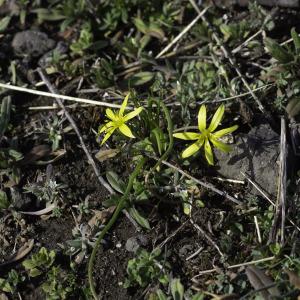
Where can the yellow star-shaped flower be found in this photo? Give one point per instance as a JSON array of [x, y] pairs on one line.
[[117, 121], [206, 135]]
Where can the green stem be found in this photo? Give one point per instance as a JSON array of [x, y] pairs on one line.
[[111, 222], [170, 132]]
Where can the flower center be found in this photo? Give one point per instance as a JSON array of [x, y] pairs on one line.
[[206, 134], [119, 121]]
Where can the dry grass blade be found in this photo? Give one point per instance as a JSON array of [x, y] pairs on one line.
[[39, 212], [259, 280], [282, 191], [105, 154], [280, 205], [182, 33], [59, 96], [248, 263]]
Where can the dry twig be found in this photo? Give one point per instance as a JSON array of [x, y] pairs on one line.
[[229, 57], [268, 199], [59, 101], [182, 33], [204, 184], [253, 262], [210, 240]]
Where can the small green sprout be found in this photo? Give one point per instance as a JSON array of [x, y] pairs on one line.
[[118, 121], [39, 262], [206, 135]]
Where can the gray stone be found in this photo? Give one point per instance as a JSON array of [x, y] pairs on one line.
[[135, 242], [30, 43], [255, 154]]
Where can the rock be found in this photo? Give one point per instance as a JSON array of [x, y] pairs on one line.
[[30, 43], [255, 154], [135, 242]]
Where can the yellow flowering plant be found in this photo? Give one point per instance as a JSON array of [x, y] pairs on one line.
[[117, 120], [206, 135]]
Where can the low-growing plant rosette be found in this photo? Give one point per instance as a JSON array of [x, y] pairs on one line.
[[206, 135], [117, 120]]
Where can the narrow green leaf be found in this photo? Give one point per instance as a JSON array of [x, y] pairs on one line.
[[140, 25], [278, 52], [35, 272], [4, 203], [115, 181], [157, 133], [155, 31], [296, 39], [198, 296], [4, 23], [5, 286], [160, 294], [5, 114], [156, 252], [139, 218], [45, 14], [141, 78], [28, 264], [177, 289]]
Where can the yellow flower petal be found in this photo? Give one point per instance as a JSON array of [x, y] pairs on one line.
[[187, 135], [189, 151], [202, 118], [107, 135], [133, 114], [216, 118], [124, 105], [208, 152], [106, 126], [220, 145], [110, 114], [225, 131], [126, 131]]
